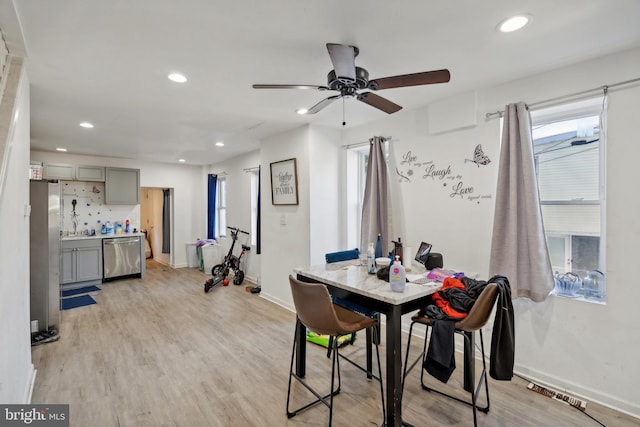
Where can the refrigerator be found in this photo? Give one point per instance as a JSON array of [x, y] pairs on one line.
[[44, 248]]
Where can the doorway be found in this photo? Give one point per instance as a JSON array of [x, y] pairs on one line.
[[151, 213]]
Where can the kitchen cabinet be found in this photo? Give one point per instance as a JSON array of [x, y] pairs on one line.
[[122, 186], [74, 172], [90, 173], [81, 261], [51, 171]]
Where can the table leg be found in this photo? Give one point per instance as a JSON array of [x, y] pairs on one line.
[[369, 352], [394, 367]]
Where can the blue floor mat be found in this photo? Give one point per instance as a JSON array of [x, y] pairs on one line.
[[73, 302], [84, 290]]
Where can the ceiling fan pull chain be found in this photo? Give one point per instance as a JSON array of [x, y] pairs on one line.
[[343, 120]]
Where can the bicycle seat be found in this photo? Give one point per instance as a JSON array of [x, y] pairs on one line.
[[246, 248]]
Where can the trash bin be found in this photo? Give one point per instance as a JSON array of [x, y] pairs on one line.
[[211, 255], [192, 257]]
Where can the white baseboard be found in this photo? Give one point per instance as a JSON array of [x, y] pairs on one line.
[[277, 301], [590, 395], [538, 377], [30, 384]]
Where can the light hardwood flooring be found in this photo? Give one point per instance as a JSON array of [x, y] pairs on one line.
[[161, 352]]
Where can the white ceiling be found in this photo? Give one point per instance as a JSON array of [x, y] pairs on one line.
[[106, 62]]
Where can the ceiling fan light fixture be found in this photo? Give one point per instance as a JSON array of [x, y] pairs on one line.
[[177, 77], [514, 23]]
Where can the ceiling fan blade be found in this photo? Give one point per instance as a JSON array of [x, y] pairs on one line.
[[342, 57], [415, 79], [379, 102], [320, 105], [269, 86]]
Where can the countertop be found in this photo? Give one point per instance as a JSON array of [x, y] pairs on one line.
[[101, 236]]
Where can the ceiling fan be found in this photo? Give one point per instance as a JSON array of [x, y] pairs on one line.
[[349, 81]]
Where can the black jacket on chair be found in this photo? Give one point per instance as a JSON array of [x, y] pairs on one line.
[[503, 335]]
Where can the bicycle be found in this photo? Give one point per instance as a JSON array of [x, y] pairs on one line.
[[232, 262]]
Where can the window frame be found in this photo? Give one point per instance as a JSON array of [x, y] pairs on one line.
[[592, 107], [357, 158], [255, 181], [221, 206]]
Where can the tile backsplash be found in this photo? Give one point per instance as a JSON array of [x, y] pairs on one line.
[[90, 210]]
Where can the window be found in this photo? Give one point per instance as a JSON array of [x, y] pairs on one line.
[[255, 182], [357, 159], [221, 207], [568, 153]]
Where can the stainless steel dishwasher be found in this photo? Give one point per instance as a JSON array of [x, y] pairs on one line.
[[122, 257]]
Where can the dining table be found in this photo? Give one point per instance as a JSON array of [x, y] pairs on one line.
[[350, 281]]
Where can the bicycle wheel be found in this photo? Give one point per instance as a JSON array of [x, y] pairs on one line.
[[238, 278], [218, 270]]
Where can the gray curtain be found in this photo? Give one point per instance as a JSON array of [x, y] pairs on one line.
[[166, 221], [518, 247], [375, 206]]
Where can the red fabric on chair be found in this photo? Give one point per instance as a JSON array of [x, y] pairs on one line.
[[444, 304]]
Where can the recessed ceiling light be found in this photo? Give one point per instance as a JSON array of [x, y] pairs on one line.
[[86, 125], [181, 160], [302, 111], [61, 149], [177, 77], [514, 23], [219, 144]]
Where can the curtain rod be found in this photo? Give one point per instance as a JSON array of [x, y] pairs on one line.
[[603, 88], [255, 168], [360, 144]]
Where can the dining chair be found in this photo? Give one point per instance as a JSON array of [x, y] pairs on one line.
[[476, 319], [348, 255], [316, 312]]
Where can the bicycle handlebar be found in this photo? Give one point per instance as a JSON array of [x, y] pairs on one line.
[[236, 229]]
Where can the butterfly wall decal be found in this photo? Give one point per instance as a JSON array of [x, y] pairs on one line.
[[479, 158]]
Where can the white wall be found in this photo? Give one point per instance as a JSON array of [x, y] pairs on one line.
[[325, 189], [285, 247], [188, 207], [16, 369], [591, 350]]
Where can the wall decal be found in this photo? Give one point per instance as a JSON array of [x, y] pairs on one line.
[[460, 190], [479, 158], [404, 178], [432, 172], [451, 181]]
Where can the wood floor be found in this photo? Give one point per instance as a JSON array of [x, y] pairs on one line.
[[161, 352]]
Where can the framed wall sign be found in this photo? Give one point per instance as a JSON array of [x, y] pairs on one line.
[[284, 182]]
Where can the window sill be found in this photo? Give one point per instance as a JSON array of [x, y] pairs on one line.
[[579, 298]]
